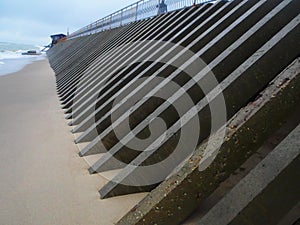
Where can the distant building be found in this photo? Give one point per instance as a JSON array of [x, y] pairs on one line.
[[57, 38]]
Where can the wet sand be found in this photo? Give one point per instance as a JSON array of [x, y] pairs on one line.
[[42, 178]]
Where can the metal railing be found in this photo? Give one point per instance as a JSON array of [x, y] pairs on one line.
[[140, 10]]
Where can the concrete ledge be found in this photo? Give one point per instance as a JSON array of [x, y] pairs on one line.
[[176, 198]]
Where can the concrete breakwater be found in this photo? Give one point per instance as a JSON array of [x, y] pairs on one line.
[[193, 106]]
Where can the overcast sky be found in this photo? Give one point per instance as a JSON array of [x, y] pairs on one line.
[[33, 21]]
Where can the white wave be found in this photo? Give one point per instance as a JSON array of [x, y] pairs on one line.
[[14, 65], [14, 55], [10, 55], [14, 50]]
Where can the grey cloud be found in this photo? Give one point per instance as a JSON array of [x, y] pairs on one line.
[[34, 20]]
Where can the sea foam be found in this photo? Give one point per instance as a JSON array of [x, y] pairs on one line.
[[11, 58]]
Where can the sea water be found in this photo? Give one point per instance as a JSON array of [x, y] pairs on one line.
[[11, 58]]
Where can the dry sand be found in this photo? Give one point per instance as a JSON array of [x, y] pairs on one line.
[[42, 178]]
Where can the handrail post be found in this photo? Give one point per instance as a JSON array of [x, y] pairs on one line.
[[121, 17], [136, 11], [110, 21], [159, 7]]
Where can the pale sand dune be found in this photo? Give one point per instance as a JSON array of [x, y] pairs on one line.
[[42, 178]]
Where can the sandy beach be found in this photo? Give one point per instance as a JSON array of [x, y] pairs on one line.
[[42, 178]]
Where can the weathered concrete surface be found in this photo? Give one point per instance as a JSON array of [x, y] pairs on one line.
[[260, 179], [223, 197], [176, 198], [189, 36], [246, 44], [281, 195], [257, 64]]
